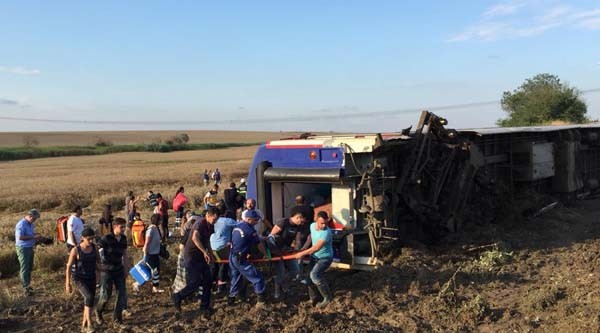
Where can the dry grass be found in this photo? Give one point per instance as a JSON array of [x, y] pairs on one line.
[[61, 183], [55, 185], [133, 137]]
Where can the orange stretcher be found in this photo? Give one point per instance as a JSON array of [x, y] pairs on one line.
[[269, 258]]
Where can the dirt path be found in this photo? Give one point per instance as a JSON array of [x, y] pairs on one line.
[[542, 276]]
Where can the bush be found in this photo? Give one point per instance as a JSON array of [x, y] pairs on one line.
[[51, 258], [7, 299], [30, 141], [106, 147], [494, 258], [475, 310], [102, 142], [182, 138], [9, 264], [70, 200]]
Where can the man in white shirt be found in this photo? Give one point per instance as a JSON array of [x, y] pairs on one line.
[[263, 224], [74, 228]]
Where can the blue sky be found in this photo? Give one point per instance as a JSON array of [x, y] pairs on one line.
[[283, 65]]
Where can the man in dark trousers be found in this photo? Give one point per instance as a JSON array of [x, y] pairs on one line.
[[243, 238], [287, 235], [198, 256], [232, 201], [114, 263], [163, 211]]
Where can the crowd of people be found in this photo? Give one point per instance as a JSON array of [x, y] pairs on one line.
[[219, 249]]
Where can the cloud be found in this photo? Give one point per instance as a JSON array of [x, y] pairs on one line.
[[9, 102], [12, 103], [590, 24], [19, 70], [522, 19], [503, 9]]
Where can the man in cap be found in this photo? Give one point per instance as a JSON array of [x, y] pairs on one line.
[[26, 238], [243, 238]]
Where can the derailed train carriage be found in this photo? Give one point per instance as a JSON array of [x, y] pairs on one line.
[[381, 188]]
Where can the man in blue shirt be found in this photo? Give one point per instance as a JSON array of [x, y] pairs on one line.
[[25, 238], [220, 242], [321, 257], [243, 238]]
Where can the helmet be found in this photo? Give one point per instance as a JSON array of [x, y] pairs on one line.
[[242, 180]]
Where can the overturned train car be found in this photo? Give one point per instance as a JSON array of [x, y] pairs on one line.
[[381, 188]]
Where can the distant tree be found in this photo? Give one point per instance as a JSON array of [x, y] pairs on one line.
[[30, 141], [179, 139], [183, 137], [103, 142], [541, 100]]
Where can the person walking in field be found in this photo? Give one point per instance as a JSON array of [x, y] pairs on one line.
[[205, 178], [26, 238], [85, 259], [128, 198], [114, 263], [216, 176], [151, 252], [179, 202], [163, 212], [74, 228], [211, 198], [132, 209], [106, 221], [321, 253], [153, 201]]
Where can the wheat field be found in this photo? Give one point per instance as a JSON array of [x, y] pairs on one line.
[[55, 185]]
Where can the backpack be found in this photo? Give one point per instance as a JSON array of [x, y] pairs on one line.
[[138, 233], [61, 229]]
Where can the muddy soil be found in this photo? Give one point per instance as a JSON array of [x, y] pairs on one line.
[[539, 275]]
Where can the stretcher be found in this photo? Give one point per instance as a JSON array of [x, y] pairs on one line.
[[269, 258]]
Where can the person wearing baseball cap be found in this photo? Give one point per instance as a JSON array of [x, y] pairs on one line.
[[25, 238], [243, 238]]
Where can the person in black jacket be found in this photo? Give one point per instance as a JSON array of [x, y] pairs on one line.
[[232, 200]]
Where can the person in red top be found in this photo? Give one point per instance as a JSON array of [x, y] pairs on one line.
[[179, 204], [163, 212]]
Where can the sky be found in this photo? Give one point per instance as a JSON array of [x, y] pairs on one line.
[[351, 66]]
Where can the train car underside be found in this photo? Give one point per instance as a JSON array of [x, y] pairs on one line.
[[422, 184]]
